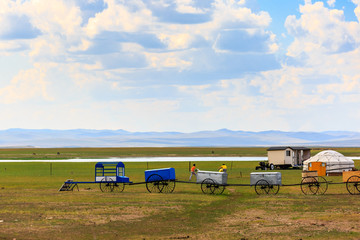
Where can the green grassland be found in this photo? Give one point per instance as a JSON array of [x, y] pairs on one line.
[[69, 153], [32, 208]]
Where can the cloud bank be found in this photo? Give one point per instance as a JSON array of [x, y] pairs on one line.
[[184, 65]]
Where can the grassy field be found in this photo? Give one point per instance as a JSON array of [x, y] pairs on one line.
[[69, 153], [32, 208]]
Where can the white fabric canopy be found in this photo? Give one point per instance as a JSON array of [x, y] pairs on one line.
[[335, 161]]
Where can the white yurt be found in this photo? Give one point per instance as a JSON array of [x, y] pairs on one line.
[[335, 161]]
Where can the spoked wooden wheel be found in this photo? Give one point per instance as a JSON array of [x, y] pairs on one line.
[[262, 187], [323, 185], [168, 186], [309, 185], [106, 185], [353, 185], [207, 186], [217, 189], [154, 183], [119, 187], [273, 189]]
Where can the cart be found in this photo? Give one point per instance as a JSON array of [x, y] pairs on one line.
[[266, 182], [312, 185], [352, 180], [111, 178], [212, 182], [109, 175], [160, 180], [270, 182]]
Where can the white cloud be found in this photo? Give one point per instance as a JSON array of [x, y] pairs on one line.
[[357, 9], [232, 15], [62, 17], [250, 41], [187, 6], [331, 3], [28, 84], [7, 47], [17, 27], [131, 67], [168, 60], [147, 113], [348, 84], [176, 41], [230, 102], [328, 46], [321, 30], [121, 17]]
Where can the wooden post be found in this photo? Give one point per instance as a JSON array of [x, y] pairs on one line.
[[189, 166]]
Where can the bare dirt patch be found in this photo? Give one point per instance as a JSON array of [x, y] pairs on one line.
[[265, 223]]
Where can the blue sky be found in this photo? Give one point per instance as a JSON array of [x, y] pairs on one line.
[[180, 65]]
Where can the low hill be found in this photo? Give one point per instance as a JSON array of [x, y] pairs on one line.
[[219, 138]]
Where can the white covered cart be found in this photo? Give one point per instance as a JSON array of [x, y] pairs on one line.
[[266, 182], [212, 182]]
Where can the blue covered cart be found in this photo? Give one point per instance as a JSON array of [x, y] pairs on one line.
[[111, 178], [109, 175], [160, 180]]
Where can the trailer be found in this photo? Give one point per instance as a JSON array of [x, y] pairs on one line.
[[285, 157]]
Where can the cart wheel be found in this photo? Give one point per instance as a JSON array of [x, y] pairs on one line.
[[207, 186], [168, 186], [323, 185], [262, 187], [119, 187], [274, 189], [353, 185], [154, 183], [106, 185], [309, 185], [217, 188]]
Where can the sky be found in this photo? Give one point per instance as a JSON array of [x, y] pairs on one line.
[[180, 65]]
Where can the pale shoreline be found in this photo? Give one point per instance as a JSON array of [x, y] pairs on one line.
[[152, 159], [149, 159]]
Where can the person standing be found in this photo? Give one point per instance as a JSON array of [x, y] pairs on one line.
[[223, 168], [193, 171]]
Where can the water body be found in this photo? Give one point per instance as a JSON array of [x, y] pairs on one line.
[[158, 159], [152, 159]]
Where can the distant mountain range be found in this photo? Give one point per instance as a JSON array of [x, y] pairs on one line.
[[47, 138]]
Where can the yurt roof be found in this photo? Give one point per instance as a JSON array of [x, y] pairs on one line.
[[329, 156]]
